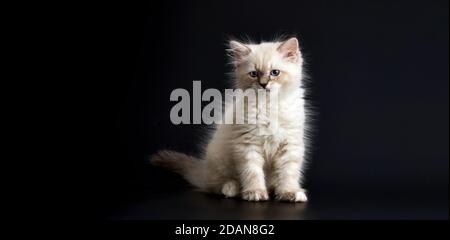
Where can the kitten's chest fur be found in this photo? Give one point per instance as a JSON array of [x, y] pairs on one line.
[[272, 145], [273, 136]]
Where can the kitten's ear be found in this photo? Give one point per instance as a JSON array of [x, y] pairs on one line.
[[238, 50], [290, 49]]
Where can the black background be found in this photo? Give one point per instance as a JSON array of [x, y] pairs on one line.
[[378, 81]]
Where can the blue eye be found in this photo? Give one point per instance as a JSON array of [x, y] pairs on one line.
[[275, 73], [253, 74]]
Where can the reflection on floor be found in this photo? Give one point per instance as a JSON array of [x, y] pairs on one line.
[[186, 203]]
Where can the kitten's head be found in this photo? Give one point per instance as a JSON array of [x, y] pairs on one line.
[[267, 65]]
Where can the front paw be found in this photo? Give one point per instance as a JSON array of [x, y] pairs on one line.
[[292, 196], [255, 195]]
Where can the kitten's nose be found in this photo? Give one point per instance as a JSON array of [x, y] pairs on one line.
[[263, 84]]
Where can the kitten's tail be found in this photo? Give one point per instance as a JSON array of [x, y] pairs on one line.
[[191, 168]]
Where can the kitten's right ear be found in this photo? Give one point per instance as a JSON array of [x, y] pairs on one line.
[[238, 50]]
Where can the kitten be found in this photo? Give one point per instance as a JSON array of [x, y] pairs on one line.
[[239, 161]]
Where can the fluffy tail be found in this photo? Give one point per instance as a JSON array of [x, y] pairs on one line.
[[191, 168]]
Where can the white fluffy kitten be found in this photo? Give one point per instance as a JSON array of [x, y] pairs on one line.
[[238, 160]]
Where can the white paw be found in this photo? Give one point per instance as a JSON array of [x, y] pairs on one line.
[[230, 189], [255, 195], [298, 196]]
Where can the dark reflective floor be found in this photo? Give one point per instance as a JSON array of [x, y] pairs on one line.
[[185, 203]]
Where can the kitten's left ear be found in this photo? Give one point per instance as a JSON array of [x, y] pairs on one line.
[[290, 49]]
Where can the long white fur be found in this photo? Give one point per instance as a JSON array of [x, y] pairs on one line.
[[238, 160]]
